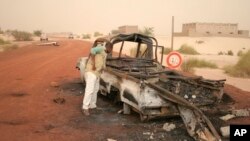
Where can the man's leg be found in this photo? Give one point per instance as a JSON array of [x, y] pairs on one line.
[[94, 95], [90, 79]]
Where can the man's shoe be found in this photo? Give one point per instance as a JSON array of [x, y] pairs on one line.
[[96, 110], [85, 112]]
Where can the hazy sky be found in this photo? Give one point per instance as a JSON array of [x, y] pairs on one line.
[[87, 16]]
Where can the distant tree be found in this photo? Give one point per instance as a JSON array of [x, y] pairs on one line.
[[96, 34], [21, 35], [86, 36], [1, 32], [220, 53], [3, 42], [149, 31], [114, 32], [240, 53], [187, 49], [166, 50], [230, 52], [37, 33], [8, 31]]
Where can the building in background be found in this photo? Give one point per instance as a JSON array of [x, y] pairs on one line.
[[212, 29], [126, 29]]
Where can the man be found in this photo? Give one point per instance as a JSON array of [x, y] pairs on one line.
[[95, 64]]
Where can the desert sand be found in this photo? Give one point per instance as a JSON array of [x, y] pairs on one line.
[[218, 74]]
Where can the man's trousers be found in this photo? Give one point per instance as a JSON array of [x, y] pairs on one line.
[[91, 90]]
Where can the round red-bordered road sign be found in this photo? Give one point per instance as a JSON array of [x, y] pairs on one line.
[[174, 59]]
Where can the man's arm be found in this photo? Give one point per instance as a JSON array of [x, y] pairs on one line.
[[93, 61], [93, 52]]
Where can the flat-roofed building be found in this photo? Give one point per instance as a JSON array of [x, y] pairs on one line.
[[127, 29], [212, 29]]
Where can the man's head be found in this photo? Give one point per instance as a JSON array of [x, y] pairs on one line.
[[109, 47]]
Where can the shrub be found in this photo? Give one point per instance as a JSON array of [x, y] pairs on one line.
[[241, 69], [240, 53], [115, 32], [186, 49], [86, 36], [230, 70], [149, 31], [230, 52], [3, 42], [1, 32], [96, 34], [244, 63], [8, 32], [21, 35], [189, 65], [37, 33], [220, 53], [199, 42], [166, 50], [9, 47]]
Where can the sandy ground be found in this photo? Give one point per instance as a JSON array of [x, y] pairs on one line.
[[218, 74]]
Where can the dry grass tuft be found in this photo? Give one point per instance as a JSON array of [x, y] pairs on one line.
[[189, 65]]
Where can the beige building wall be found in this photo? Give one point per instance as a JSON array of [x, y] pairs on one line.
[[243, 33], [212, 29], [128, 29]]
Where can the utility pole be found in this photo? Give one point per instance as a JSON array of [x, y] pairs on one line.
[[172, 38]]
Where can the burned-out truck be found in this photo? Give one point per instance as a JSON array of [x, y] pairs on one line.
[[135, 75]]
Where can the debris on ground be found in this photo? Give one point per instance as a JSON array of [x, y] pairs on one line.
[[151, 136], [241, 112], [54, 84], [59, 100], [236, 113], [146, 133], [227, 117], [225, 131], [48, 43], [120, 111], [111, 140], [168, 126]]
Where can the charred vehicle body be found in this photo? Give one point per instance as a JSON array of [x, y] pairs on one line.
[[141, 82]]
